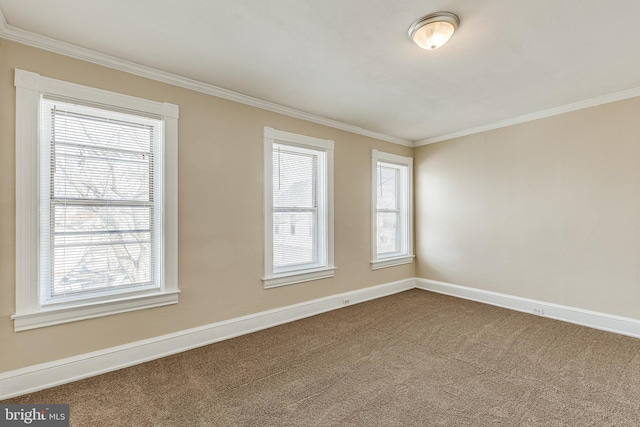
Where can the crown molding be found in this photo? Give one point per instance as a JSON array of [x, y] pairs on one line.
[[29, 38], [593, 102], [3, 23]]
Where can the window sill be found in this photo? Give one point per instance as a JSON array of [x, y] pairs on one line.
[[291, 278], [391, 262], [50, 317]]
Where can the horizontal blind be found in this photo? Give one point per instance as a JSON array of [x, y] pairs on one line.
[[101, 190], [298, 208], [388, 209]]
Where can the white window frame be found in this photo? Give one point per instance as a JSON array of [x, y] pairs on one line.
[[31, 311], [405, 232], [272, 277]]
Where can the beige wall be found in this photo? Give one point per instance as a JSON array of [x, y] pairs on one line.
[[220, 214], [548, 210]]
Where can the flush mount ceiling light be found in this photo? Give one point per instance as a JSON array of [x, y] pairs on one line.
[[434, 30]]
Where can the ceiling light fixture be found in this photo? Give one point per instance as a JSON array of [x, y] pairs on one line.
[[434, 30]]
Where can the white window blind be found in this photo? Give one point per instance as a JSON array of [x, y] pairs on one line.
[[96, 202], [388, 222], [298, 208], [299, 219], [392, 210], [101, 199]]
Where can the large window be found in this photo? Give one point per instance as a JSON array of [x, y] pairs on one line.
[[298, 208], [392, 228], [96, 211]]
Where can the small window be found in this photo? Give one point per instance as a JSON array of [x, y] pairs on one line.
[[298, 208], [99, 171], [392, 228]]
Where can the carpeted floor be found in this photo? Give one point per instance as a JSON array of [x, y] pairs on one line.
[[411, 359]]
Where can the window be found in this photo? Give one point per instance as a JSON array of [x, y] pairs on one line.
[[298, 198], [392, 224], [96, 202]]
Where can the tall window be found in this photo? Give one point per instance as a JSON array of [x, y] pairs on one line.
[[100, 228], [392, 228], [298, 208], [105, 206]]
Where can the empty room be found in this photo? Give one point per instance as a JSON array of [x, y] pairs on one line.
[[319, 213]]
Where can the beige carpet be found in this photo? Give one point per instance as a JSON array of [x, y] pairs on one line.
[[411, 359]]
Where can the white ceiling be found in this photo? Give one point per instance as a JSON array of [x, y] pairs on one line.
[[351, 61]]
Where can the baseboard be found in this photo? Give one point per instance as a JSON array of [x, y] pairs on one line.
[[46, 375], [592, 319]]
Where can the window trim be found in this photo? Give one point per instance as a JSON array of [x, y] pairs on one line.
[[30, 314], [406, 212], [271, 278]]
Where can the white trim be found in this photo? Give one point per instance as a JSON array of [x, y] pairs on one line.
[[391, 262], [292, 278], [170, 188], [325, 267], [578, 316], [297, 139], [27, 196], [406, 229], [68, 90], [45, 375], [392, 158], [30, 312], [43, 318], [581, 105], [4, 27], [28, 38]]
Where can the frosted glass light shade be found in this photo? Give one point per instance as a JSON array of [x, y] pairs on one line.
[[432, 31]]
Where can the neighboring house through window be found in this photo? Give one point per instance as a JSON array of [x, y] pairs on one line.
[[392, 222], [96, 212], [298, 198]]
